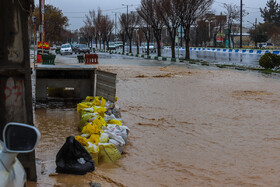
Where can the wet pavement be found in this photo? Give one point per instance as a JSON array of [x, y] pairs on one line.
[[189, 127], [215, 57], [239, 59]]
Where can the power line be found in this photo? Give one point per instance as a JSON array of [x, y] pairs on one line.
[[229, 3]]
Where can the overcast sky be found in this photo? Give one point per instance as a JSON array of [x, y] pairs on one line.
[[75, 10]]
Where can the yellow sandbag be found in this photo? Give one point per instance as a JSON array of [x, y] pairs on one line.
[[84, 111], [116, 99], [94, 138], [82, 140], [89, 98], [103, 102], [85, 120], [81, 106], [96, 102], [104, 138], [114, 121], [93, 151], [108, 153], [91, 129], [99, 121], [100, 110]]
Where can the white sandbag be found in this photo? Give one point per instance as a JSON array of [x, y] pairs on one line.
[[118, 145]]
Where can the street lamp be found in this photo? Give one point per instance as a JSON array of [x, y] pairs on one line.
[[126, 10], [209, 21], [115, 23]]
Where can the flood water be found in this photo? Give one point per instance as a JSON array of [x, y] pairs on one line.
[[189, 127], [220, 57], [241, 59]]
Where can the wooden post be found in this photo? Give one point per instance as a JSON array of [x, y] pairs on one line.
[[15, 73]]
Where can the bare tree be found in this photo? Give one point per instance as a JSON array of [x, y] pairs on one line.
[[189, 12], [86, 34], [129, 21], [168, 10], [147, 30], [233, 14], [89, 28], [122, 30], [149, 10], [98, 25], [122, 33], [106, 30]]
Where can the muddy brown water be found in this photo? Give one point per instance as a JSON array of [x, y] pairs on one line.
[[188, 128]]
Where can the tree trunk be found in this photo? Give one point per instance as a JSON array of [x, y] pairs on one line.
[[137, 44], [187, 45], [123, 47], [173, 55], [157, 34], [158, 46], [130, 45], [148, 47], [96, 42], [187, 39]]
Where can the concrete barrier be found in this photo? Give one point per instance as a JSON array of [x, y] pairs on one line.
[[83, 80]]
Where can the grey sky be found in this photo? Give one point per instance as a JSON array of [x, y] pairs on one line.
[[75, 10]]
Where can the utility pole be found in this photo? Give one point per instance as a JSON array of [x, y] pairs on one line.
[[241, 23], [181, 36], [43, 20], [40, 19], [15, 74], [256, 22], [115, 24]]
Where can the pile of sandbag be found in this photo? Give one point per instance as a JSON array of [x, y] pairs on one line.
[[103, 134]]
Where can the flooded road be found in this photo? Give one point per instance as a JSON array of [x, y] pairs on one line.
[[240, 59], [189, 127], [217, 57]]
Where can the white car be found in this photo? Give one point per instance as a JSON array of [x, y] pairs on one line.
[[18, 138], [66, 49], [151, 48]]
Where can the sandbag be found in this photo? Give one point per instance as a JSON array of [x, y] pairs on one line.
[[93, 151], [73, 158], [116, 130], [85, 119], [104, 138], [117, 144], [108, 153]]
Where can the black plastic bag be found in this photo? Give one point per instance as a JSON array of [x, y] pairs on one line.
[[73, 158]]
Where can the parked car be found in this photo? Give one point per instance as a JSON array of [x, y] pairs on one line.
[[112, 46], [265, 45], [118, 44], [151, 48], [81, 48], [66, 49], [57, 49], [18, 138]]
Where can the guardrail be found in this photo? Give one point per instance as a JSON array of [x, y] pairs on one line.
[[245, 51]]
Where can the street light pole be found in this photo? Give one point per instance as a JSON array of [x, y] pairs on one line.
[[241, 23]]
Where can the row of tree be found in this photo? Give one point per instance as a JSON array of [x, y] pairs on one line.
[[149, 19], [152, 16], [98, 27]]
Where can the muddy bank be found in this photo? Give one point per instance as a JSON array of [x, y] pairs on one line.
[[194, 127]]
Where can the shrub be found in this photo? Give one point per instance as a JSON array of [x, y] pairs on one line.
[[269, 61]]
